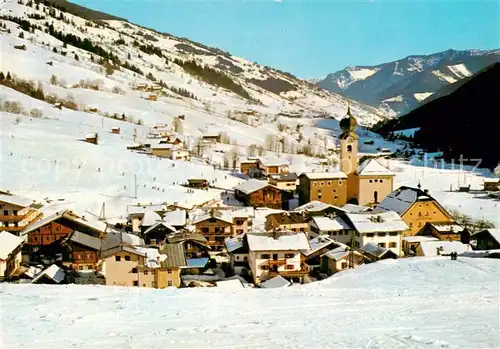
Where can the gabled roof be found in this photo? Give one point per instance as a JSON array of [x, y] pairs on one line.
[[141, 209], [273, 162], [278, 241], [447, 227], [236, 244], [324, 175], [176, 257], [232, 284], [370, 222], [16, 200], [318, 243], [252, 185], [287, 218], [374, 250], [338, 253], [316, 206], [284, 177], [176, 218], [494, 233], [8, 243], [403, 198], [150, 218], [372, 167], [276, 282], [331, 224], [221, 215], [429, 248], [182, 236], [86, 240], [92, 223], [352, 208], [114, 240], [158, 224], [53, 272]]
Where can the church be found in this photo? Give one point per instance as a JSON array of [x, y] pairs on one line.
[[365, 184]]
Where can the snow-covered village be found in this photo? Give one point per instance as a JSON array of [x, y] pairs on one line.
[[156, 192]]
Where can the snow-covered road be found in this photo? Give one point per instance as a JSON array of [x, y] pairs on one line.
[[411, 303]]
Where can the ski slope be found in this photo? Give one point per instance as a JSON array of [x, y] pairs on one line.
[[411, 303]]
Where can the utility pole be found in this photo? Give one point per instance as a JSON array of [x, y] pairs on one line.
[[135, 185], [351, 251], [102, 216]]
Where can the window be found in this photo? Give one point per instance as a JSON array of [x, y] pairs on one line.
[[5, 212], [117, 258], [289, 255], [136, 283], [169, 271], [289, 266], [381, 244], [322, 183], [146, 272], [335, 197], [349, 148], [218, 230], [411, 225], [333, 233], [315, 184], [302, 230], [15, 212], [237, 258], [265, 267], [375, 196], [394, 233], [370, 181], [127, 258], [80, 267], [344, 265], [380, 181], [329, 183], [376, 180], [245, 258], [340, 182], [370, 235], [134, 270], [204, 230], [264, 256], [239, 222], [392, 245], [382, 234], [89, 267], [169, 283], [153, 284]]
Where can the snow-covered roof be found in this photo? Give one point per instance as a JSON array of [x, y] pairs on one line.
[[372, 167], [162, 146], [176, 218], [157, 224], [318, 243], [53, 272], [374, 249], [86, 240], [371, 222], [251, 186], [8, 243], [276, 282], [91, 223], [324, 175], [284, 177], [222, 215], [401, 199], [330, 224], [233, 284], [337, 253], [429, 248], [447, 227], [16, 200], [495, 233], [150, 218], [314, 206], [152, 258], [235, 243], [273, 162], [352, 208], [114, 240], [278, 241], [418, 238]]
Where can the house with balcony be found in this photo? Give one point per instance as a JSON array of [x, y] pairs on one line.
[[237, 248], [289, 221], [16, 213], [10, 254], [335, 227], [272, 166], [257, 193], [81, 251], [195, 244], [384, 229], [277, 253], [218, 225]]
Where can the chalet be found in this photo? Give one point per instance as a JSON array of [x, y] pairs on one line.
[[277, 253], [180, 154], [152, 97], [126, 265], [45, 237], [492, 185], [237, 248], [441, 248], [384, 229], [115, 130], [374, 252], [156, 234], [149, 219], [285, 181], [290, 221], [211, 138], [141, 87], [247, 165], [195, 244], [318, 208], [319, 246], [488, 239], [258, 193], [10, 254], [446, 231], [339, 259], [410, 244], [52, 275], [215, 226], [327, 187], [162, 150], [176, 139], [176, 218], [16, 213], [198, 183], [92, 138], [416, 207], [81, 251], [269, 166], [335, 227], [136, 214]]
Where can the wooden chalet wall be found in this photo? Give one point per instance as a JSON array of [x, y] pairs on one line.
[[48, 234]]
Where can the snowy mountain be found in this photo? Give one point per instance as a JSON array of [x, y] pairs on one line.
[[119, 54], [406, 303], [402, 85]]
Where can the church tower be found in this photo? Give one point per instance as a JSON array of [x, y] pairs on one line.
[[349, 154]]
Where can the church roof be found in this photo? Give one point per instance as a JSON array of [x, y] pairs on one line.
[[349, 123], [372, 167]]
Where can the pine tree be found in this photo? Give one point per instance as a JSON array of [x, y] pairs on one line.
[[65, 45], [8, 76], [54, 50], [21, 35], [76, 57], [128, 56], [2, 77]]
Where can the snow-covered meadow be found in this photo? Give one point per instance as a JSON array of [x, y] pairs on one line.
[[410, 303]]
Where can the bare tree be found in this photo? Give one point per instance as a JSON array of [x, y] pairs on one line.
[[178, 126]]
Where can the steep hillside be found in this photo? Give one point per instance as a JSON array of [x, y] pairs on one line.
[[464, 123], [402, 85], [118, 53]]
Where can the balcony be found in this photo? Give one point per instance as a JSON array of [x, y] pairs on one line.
[[277, 262], [304, 270], [12, 218], [12, 229]]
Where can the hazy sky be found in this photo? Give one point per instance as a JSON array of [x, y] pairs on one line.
[[313, 38]]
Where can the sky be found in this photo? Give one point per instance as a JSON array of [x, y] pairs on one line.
[[313, 38]]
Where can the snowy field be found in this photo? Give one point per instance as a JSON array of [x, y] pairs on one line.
[[411, 303]]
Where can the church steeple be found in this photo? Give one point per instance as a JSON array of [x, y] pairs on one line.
[[348, 124]]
